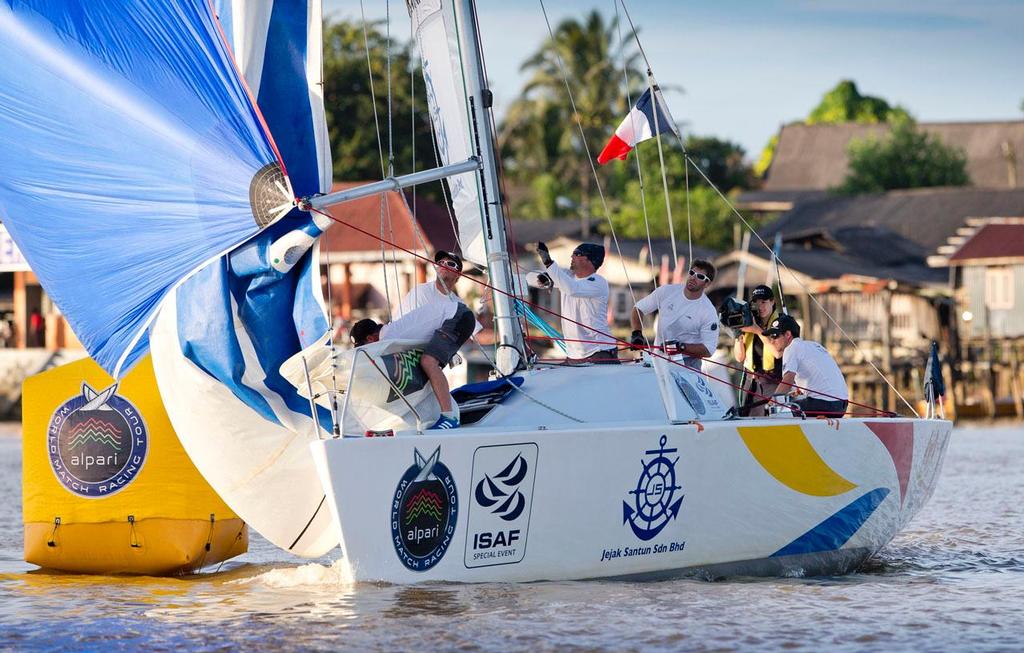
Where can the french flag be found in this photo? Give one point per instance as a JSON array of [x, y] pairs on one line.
[[646, 119]]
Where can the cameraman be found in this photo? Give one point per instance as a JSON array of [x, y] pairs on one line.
[[763, 368]]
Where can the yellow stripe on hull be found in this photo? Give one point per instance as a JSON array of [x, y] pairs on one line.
[[788, 456]]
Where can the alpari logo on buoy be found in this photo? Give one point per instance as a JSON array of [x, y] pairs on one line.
[[97, 442], [423, 512]]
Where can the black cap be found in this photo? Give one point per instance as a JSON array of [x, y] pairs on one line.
[[362, 330], [781, 324], [440, 255], [761, 292], [592, 252]]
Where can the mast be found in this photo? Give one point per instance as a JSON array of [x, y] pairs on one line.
[[510, 342]]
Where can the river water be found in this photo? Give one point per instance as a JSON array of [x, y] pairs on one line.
[[953, 581]]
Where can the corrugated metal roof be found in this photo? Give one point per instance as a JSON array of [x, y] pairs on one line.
[[813, 157], [993, 241], [926, 216], [434, 224]]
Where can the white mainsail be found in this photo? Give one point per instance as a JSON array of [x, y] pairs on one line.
[[434, 25]]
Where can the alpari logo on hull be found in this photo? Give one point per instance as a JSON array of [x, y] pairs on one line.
[[499, 515], [654, 503], [97, 442], [424, 511]]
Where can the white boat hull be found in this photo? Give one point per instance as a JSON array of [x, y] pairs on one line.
[[766, 496]]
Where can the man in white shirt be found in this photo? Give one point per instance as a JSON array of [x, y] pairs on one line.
[[808, 370], [685, 315], [448, 266], [584, 309], [446, 326]]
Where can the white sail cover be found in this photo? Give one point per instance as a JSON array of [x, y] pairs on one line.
[[435, 28], [220, 340]]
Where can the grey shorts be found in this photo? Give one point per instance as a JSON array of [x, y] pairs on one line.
[[451, 335]]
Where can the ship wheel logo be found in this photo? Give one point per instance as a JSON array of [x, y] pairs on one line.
[[654, 502]]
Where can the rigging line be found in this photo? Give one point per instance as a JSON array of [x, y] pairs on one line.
[[387, 52], [689, 231], [383, 257], [373, 95], [437, 162], [652, 87], [412, 128], [804, 287], [523, 392], [586, 149], [650, 350], [412, 125], [639, 166], [502, 190], [635, 34]]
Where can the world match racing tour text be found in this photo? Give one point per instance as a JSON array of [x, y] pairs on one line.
[[631, 552]]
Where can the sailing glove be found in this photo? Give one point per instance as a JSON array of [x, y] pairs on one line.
[[638, 341], [542, 251]]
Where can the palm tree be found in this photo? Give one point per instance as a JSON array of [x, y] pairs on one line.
[[541, 133]]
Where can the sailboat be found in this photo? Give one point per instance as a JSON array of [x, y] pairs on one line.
[[629, 471]]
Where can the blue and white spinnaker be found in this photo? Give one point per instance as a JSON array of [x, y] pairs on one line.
[[132, 154]]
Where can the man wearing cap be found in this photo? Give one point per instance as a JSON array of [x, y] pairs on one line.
[[449, 267], [446, 326], [809, 373], [584, 295], [750, 348], [685, 315]]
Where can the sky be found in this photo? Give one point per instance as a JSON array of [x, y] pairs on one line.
[[746, 67]]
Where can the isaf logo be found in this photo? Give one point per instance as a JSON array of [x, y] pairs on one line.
[[424, 512], [653, 502], [97, 442], [504, 489], [499, 516]]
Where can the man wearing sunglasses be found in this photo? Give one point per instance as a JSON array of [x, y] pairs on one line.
[[448, 267], [809, 372], [584, 307], [685, 315]]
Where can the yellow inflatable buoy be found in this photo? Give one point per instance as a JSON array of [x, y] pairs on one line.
[[107, 487]]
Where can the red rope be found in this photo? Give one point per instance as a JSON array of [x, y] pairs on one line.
[[651, 350]]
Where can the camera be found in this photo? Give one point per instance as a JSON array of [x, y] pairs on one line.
[[735, 314]]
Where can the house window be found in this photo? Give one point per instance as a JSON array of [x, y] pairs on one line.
[[999, 288]]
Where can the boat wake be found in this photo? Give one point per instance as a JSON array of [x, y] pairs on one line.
[[336, 574]]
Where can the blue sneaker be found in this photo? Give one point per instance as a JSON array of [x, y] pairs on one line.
[[445, 423]]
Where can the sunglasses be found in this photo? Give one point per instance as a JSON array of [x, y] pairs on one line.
[[449, 263], [700, 276]]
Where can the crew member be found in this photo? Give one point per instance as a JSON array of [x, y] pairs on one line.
[[685, 315], [584, 295], [446, 326], [448, 266], [763, 369], [809, 372]]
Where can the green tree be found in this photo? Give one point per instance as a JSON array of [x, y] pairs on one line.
[[711, 218], [905, 158], [350, 108], [540, 135], [844, 103]]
